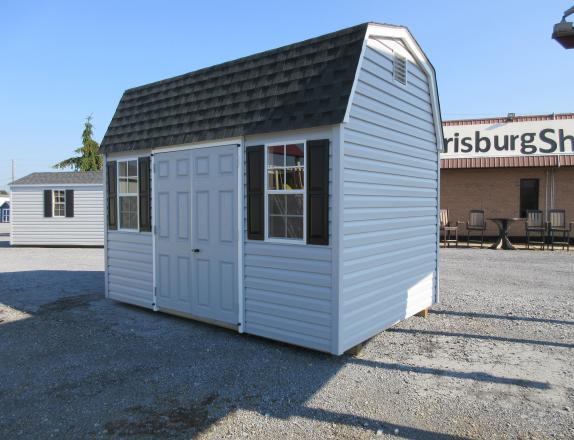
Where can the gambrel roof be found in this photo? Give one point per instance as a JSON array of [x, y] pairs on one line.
[[62, 178], [306, 84]]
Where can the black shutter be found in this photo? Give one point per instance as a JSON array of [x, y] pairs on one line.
[[318, 192], [144, 174], [112, 195], [47, 203], [69, 203], [255, 192]]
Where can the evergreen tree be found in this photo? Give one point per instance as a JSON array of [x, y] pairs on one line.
[[89, 158]]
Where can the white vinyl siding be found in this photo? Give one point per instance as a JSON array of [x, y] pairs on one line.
[[390, 198], [130, 267], [30, 227], [288, 287], [129, 254]]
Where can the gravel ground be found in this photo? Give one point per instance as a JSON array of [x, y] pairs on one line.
[[493, 360]]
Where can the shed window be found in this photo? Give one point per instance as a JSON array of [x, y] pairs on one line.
[[400, 69], [285, 191], [128, 194], [5, 215], [59, 205]]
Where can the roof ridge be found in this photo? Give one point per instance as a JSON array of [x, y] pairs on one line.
[[258, 54]]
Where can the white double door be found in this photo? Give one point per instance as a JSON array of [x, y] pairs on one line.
[[196, 238]]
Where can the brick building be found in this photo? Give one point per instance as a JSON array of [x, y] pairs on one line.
[[506, 165]]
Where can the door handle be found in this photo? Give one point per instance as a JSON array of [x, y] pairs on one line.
[[195, 251]]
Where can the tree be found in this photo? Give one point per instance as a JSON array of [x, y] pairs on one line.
[[89, 158]]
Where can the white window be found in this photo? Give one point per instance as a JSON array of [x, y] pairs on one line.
[[400, 69], [128, 194], [285, 191], [59, 203], [5, 215]]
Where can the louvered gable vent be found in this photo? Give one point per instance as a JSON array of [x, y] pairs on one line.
[[400, 69]]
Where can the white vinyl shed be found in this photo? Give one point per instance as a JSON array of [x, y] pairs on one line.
[[58, 209], [292, 194]]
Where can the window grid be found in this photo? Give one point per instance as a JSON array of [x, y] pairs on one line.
[[128, 204], [59, 203], [285, 198]]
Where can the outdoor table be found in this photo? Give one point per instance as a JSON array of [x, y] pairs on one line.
[[503, 224]]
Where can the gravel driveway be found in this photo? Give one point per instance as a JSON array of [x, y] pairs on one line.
[[494, 360]]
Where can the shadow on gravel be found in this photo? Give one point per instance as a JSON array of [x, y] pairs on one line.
[[33, 289], [505, 317], [93, 368], [401, 431], [474, 375], [483, 337]]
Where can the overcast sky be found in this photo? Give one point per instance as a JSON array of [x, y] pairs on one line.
[[61, 61]]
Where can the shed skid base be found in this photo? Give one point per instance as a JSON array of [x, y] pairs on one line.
[[356, 350], [424, 313]]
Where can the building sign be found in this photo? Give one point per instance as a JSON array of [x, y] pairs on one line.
[[509, 139]]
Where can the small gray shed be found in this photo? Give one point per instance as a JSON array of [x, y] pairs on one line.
[[58, 209], [5, 212], [292, 194]]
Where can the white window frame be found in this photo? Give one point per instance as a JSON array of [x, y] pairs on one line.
[[300, 241], [5, 215], [54, 191], [120, 194]]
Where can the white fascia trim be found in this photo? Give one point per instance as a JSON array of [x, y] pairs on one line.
[[106, 244], [127, 155], [206, 144], [403, 34], [356, 78], [58, 185]]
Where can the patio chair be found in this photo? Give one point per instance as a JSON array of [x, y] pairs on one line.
[[448, 228], [557, 225], [476, 223], [535, 226]]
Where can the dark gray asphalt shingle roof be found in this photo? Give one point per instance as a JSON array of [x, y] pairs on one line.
[[302, 85], [62, 178]]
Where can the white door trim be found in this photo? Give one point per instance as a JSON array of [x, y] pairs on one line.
[[240, 292], [153, 230]]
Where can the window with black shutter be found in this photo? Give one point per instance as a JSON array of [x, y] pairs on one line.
[[144, 173], [255, 192], [47, 203], [318, 192], [69, 211], [111, 170]]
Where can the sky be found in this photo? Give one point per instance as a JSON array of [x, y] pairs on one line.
[[61, 61]]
